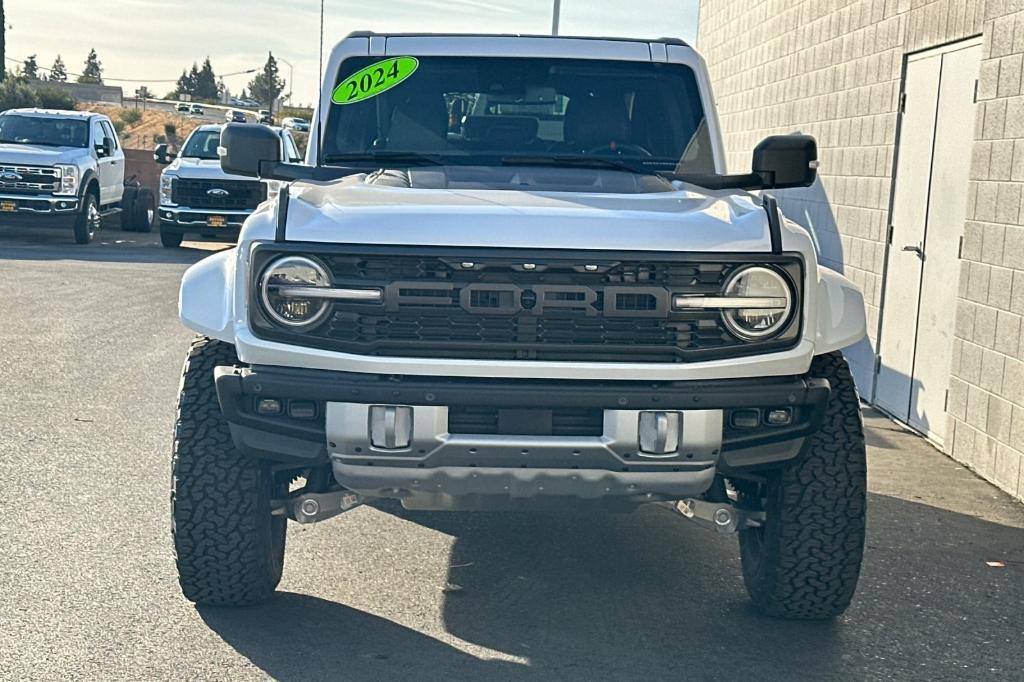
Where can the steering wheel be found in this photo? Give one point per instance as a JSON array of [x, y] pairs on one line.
[[614, 149]]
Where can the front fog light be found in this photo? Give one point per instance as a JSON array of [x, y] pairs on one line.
[[770, 303], [285, 290]]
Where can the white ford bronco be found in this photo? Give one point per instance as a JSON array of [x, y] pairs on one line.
[[514, 274], [67, 166], [199, 199]]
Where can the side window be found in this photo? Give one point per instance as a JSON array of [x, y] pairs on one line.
[[109, 132], [97, 133]]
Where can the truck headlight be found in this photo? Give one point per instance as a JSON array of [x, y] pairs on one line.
[[281, 291], [166, 190], [69, 179], [770, 303]]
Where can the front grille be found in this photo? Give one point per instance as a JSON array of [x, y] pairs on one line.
[[493, 421], [224, 195], [561, 307], [29, 179]]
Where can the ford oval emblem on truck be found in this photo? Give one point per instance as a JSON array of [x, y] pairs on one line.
[[217, 192], [10, 176]]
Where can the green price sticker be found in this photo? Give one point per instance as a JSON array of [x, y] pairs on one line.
[[374, 79]]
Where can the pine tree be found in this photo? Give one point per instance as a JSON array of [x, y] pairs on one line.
[[93, 71], [267, 85], [205, 86], [184, 85], [58, 72], [29, 68]]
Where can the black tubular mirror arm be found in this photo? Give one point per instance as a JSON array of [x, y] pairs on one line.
[[289, 172], [748, 181]]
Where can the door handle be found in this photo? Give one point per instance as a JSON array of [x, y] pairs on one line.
[[915, 248]]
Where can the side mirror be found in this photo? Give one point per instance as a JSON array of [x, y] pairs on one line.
[[162, 154], [785, 161], [106, 147], [244, 148]]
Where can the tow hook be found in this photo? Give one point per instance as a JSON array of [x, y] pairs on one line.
[[315, 507], [720, 516]]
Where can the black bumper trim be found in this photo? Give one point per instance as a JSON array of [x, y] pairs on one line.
[[238, 388]]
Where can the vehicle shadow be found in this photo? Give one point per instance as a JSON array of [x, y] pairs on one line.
[[647, 595], [32, 243]]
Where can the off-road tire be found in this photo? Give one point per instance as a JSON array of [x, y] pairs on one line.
[[128, 208], [228, 547], [143, 211], [804, 561], [171, 240], [88, 220]]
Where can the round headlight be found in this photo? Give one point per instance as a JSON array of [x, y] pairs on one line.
[[769, 298], [281, 289]]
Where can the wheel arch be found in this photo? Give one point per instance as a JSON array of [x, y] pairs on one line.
[[841, 318], [205, 299]]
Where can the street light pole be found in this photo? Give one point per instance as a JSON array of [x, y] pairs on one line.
[[557, 11]]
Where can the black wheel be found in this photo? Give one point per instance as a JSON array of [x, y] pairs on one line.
[[143, 211], [171, 240], [228, 547], [128, 208], [804, 561], [88, 220]]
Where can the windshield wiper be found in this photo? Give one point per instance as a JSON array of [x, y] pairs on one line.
[[388, 157], [577, 162]]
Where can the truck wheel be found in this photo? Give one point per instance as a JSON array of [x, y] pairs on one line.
[[128, 208], [143, 211], [228, 547], [88, 220], [804, 561], [171, 240]]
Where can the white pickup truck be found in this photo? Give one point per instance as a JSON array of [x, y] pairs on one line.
[[199, 199], [513, 273], [66, 166]]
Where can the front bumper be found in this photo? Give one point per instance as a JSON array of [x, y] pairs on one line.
[[185, 220], [441, 461], [37, 204]]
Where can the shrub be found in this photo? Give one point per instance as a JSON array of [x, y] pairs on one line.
[[16, 93], [52, 98], [130, 116], [118, 125]]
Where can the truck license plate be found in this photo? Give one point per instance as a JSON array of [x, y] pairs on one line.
[[215, 221], [8, 206]]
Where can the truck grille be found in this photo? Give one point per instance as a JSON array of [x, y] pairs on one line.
[[29, 179], [558, 308], [224, 195]]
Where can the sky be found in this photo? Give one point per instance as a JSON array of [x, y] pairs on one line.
[[154, 40]]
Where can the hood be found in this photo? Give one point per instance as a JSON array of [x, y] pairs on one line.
[[359, 211], [28, 155], [201, 169]]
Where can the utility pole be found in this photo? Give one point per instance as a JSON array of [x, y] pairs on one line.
[[555, 16]]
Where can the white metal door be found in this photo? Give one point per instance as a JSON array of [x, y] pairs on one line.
[[929, 210]]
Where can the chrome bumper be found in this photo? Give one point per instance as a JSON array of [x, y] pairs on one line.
[[39, 204], [186, 217]]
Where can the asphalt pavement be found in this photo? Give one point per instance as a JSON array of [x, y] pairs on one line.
[[90, 356]]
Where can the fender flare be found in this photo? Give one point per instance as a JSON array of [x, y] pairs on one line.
[[205, 303], [841, 318], [87, 177]]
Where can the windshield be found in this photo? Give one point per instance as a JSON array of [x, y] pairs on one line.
[[48, 132], [202, 144], [642, 116]]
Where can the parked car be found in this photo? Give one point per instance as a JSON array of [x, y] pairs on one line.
[[200, 200], [197, 110], [66, 166], [297, 124], [182, 107], [235, 116], [265, 117], [478, 312]]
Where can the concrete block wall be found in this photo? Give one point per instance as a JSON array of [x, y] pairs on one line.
[[832, 69]]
